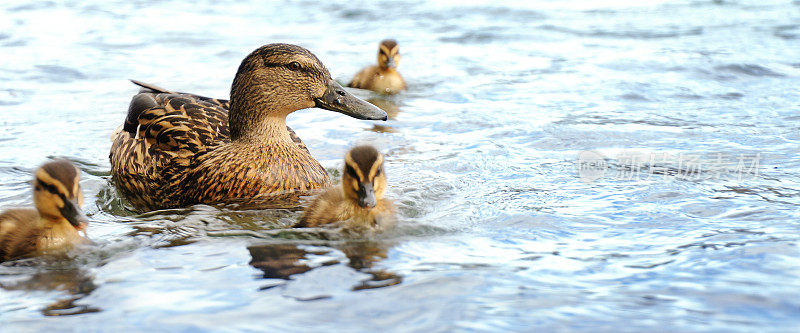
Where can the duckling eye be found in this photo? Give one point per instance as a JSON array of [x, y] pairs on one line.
[[351, 172], [378, 172], [294, 65]]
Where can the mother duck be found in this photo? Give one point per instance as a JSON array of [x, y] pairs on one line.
[[178, 149]]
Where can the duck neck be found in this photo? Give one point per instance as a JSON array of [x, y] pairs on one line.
[[269, 130], [386, 70], [255, 114], [58, 232], [258, 110]]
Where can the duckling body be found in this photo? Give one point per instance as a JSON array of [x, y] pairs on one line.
[[178, 149], [383, 77], [55, 222], [359, 202], [332, 206], [385, 81]]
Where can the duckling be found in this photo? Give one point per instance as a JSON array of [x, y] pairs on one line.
[[178, 149], [359, 202], [384, 77], [55, 222]]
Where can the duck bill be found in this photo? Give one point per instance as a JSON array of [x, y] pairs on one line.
[[339, 100], [73, 213], [366, 196], [390, 63]]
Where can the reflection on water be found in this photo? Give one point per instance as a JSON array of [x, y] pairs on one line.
[[75, 282], [363, 256], [282, 261], [387, 104]]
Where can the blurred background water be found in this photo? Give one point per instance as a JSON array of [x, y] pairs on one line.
[[684, 112]]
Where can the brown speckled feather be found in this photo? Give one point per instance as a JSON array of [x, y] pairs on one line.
[[166, 159], [221, 104], [240, 175], [177, 149]]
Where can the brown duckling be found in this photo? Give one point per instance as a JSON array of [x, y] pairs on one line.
[[384, 77], [178, 149], [359, 202], [57, 219]]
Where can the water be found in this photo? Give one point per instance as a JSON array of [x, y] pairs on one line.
[[672, 228]]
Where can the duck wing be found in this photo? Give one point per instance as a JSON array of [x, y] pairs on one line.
[[221, 103], [18, 233], [162, 136], [364, 78]]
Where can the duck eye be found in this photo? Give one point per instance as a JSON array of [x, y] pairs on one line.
[[294, 65], [351, 172], [378, 172]]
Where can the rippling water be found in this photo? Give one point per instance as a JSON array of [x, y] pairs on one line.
[[565, 165]]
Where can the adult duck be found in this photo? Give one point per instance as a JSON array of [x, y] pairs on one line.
[[177, 149]]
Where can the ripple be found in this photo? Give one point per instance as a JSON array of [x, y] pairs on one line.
[[634, 97], [788, 32], [59, 74], [673, 32], [748, 69], [32, 6], [497, 231], [731, 95]]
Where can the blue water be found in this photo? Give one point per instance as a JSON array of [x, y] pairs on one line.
[[561, 165]]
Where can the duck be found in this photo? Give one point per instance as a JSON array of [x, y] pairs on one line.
[[383, 77], [358, 203], [57, 220], [179, 149]]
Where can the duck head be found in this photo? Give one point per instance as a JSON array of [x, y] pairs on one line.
[[58, 195], [364, 180], [388, 54], [278, 79]]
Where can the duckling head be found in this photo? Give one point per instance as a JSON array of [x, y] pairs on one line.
[[364, 180], [278, 79], [58, 195], [388, 54]]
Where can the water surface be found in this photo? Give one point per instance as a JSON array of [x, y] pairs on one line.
[[684, 112]]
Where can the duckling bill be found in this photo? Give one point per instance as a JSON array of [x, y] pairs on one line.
[[383, 77], [178, 149], [56, 221], [359, 202]]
